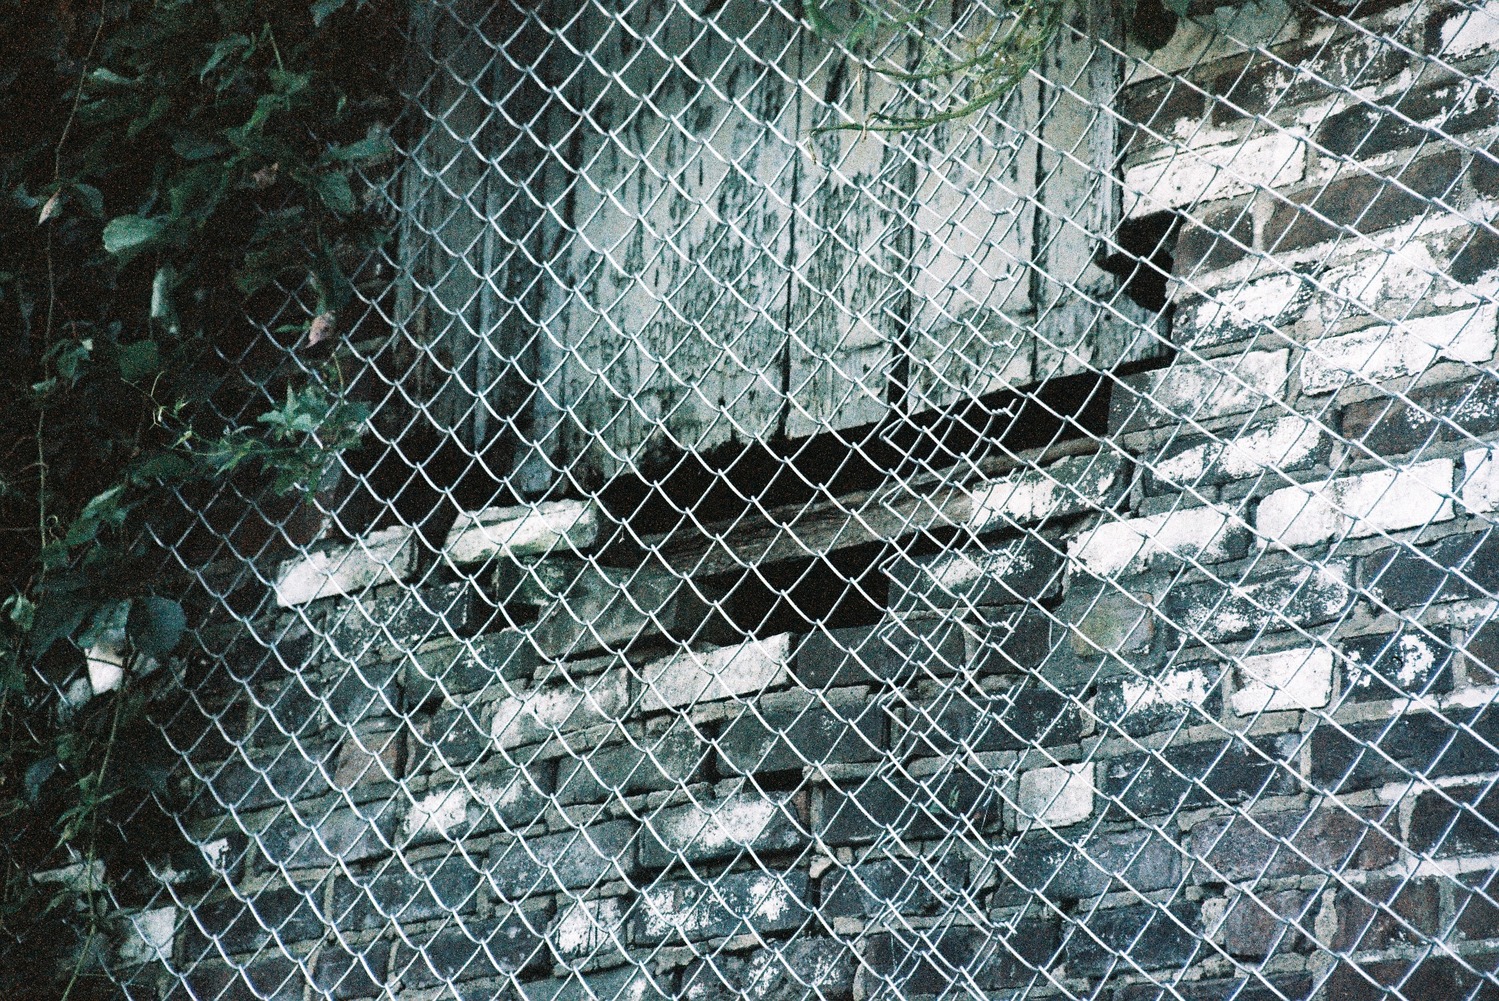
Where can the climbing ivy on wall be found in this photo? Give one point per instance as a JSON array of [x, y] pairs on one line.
[[169, 170]]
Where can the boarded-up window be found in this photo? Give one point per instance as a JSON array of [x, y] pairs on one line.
[[631, 231]]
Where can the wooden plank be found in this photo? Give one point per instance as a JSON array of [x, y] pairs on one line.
[[667, 326]]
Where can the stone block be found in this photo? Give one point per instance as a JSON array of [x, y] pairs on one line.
[[1436, 745], [1213, 613], [1044, 866], [1191, 175], [404, 893], [1397, 666], [356, 692], [1457, 568], [380, 557], [1388, 351], [1384, 500], [1259, 925], [1455, 821], [590, 931], [749, 821], [908, 808], [1287, 444], [534, 530], [569, 860], [474, 949], [1000, 573], [904, 886], [773, 740], [655, 761], [741, 903], [1382, 913], [1316, 840], [353, 972], [315, 835], [1148, 703], [1056, 796], [1287, 679], [473, 666], [1475, 904], [1361, 203], [692, 677], [1146, 936], [810, 967], [1072, 486], [1258, 986], [575, 701], [1118, 547], [368, 756], [1200, 390], [1186, 776]]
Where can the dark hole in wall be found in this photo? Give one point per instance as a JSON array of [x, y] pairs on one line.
[[1144, 258]]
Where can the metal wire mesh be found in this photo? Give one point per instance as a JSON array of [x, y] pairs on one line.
[[1042, 554]]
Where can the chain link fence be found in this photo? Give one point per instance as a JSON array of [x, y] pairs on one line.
[[1042, 553]]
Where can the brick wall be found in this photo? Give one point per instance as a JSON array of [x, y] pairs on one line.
[[1203, 713]]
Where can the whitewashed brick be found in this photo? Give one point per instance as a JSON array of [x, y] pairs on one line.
[[542, 712], [535, 530], [375, 559], [691, 676], [1282, 444], [1386, 500], [1115, 547], [1470, 30], [1071, 486], [587, 926], [1480, 481], [1209, 172], [437, 812], [1057, 796], [149, 935], [1389, 352], [1287, 679], [1217, 387]]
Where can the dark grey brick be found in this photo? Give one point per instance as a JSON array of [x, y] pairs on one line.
[[1462, 820], [294, 773], [471, 950], [764, 822], [1386, 912], [456, 670], [1008, 572], [1291, 843], [314, 835], [943, 961], [1149, 937], [895, 886], [355, 972], [1192, 775], [1304, 597], [528, 867], [1046, 867], [1214, 241], [804, 967], [1369, 129], [664, 760], [1456, 568], [963, 717], [909, 808], [266, 978], [1387, 426], [287, 913], [1260, 987], [1362, 203], [780, 739], [628, 983], [405, 893], [1454, 742]]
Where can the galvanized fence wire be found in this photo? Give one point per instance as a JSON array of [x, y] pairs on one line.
[[1040, 553]]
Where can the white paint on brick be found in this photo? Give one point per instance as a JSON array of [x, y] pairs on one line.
[[1206, 173], [215, 852], [537, 530], [378, 557], [1114, 547], [1385, 500], [541, 712], [1250, 304], [149, 936], [587, 926], [1064, 488], [438, 812], [1388, 351], [1219, 386], [1057, 796], [106, 666], [1276, 446], [1469, 31], [1288, 679], [734, 822], [1480, 481], [1174, 688], [691, 676]]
